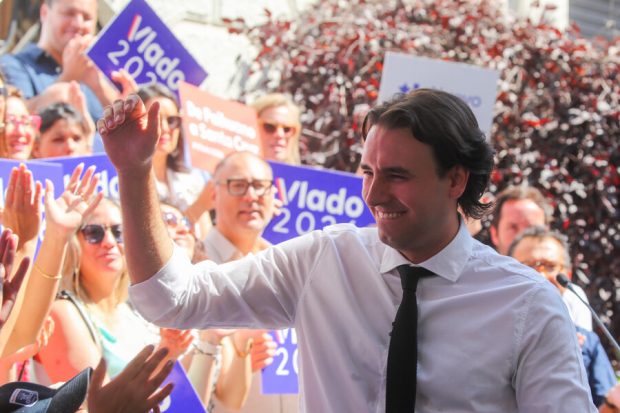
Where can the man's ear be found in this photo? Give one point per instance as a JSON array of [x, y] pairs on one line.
[[458, 177], [43, 11]]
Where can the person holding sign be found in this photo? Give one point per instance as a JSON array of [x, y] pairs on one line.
[[177, 184], [244, 205], [493, 335], [279, 128]]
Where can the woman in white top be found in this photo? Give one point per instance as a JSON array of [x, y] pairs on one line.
[[177, 184]]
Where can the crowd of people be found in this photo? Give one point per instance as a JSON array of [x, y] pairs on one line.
[[68, 313]]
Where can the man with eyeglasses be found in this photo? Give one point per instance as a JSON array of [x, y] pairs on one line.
[[493, 336], [67, 29], [547, 252], [243, 201], [517, 208]]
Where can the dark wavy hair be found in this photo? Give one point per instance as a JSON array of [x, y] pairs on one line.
[[448, 125], [175, 159], [60, 110]]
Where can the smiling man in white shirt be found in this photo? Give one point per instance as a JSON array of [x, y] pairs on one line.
[[492, 335]]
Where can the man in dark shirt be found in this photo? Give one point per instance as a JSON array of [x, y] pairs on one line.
[[67, 28]]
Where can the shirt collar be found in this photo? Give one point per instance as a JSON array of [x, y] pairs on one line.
[[37, 54], [224, 248], [447, 263]]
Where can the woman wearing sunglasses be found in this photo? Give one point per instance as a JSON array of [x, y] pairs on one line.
[[177, 184], [279, 128], [92, 316], [19, 127], [212, 367]]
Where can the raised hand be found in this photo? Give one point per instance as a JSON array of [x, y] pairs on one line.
[[133, 390], [75, 63], [10, 287], [263, 350], [130, 134], [176, 341], [22, 207], [64, 215]]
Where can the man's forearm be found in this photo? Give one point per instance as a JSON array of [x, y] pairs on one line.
[[147, 243]]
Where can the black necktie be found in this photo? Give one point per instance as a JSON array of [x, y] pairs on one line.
[[403, 353]]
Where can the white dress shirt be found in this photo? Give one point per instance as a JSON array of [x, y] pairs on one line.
[[578, 311], [219, 250], [493, 335]]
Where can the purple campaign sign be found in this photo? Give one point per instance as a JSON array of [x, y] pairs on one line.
[[280, 377], [108, 178], [138, 41], [183, 397], [314, 198]]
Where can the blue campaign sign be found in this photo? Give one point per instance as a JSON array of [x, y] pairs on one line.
[[281, 376], [40, 172], [108, 178], [183, 397], [314, 198], [138, 41]]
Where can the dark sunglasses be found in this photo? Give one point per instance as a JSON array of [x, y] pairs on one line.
[[173, 221], [273, 127], [94, 233]]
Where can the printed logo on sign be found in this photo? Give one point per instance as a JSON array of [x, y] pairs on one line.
[[138, 41], [472, 100], [281, 377], [150, 52], [339, 203], [313, 199]]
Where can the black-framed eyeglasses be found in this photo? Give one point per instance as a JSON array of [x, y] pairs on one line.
[[239, 187], [94, 233], [173, 221], [174, 121]]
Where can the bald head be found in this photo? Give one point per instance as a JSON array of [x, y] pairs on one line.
[[243, 196]]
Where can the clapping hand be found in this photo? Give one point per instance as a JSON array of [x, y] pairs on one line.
[[64, 215], [176, 341], [22, 206], [10, 285]]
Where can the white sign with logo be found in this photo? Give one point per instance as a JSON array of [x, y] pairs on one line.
[[477, 86]]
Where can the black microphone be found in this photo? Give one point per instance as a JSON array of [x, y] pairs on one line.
[[565, 282]]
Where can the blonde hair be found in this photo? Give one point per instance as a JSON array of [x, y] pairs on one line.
[[274, 100], [71, 275]]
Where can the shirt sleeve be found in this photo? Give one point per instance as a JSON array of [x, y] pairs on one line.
[[258, 291], [17, 75], [601, 376], [550, 376]]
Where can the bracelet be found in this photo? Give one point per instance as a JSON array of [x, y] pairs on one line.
[[46, 275], [610, 404], [246, 350], [206, 348]]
